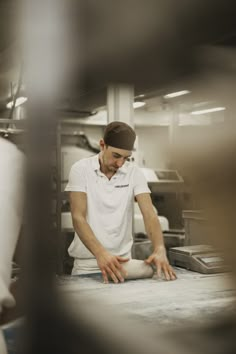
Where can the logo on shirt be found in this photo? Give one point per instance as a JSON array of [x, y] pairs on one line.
[[122, 186]]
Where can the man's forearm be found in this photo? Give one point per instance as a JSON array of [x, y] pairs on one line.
[[87, 236], [153, 229]]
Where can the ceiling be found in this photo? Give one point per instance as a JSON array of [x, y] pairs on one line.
[[151, 44]]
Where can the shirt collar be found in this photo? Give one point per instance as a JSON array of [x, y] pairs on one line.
[[124, 168]]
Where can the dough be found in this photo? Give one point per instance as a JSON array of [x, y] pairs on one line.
[[137, 269]]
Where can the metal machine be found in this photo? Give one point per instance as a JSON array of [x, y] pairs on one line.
[[139, 227], [160, 182], [163, 180], [169, 194]]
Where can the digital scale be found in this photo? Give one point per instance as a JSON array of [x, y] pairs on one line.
[[198, 258]]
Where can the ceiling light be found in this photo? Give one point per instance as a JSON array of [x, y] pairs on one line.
[[138, 104], [210, 110], [176, 94], [19, 101]]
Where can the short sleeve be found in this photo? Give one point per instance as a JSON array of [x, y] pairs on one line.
[[140, 182], [77, 179]]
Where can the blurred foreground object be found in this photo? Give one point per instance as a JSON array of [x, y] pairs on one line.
[[11, 197]]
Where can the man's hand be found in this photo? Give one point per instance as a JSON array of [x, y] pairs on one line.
[[111, 267], [159, 259]]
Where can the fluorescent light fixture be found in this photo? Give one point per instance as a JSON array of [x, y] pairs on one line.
[[138, 104], [19, 101], [209, 110], [176, 94]]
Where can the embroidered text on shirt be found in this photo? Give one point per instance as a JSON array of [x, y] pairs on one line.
[[122, 186]]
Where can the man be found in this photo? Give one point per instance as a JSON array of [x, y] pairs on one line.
[[102, 190]]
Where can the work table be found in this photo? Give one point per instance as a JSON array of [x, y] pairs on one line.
[[192, 296]]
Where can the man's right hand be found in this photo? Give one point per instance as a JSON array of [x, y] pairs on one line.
[[111, 267]]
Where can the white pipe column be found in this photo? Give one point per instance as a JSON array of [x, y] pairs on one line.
[[173, 131], [120, 98]]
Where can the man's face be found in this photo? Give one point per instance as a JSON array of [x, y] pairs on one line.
[[114, 158]]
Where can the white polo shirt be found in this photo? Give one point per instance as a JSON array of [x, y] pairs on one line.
[[109, 208]]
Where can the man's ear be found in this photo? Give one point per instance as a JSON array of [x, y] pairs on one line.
[[102, 144]]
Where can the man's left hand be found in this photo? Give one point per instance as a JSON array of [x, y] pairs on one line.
[[159, 259]]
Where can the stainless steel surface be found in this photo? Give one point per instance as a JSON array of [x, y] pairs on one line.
[[199, 258]]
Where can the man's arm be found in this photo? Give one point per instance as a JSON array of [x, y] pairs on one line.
[[109, 264], [153, 229]]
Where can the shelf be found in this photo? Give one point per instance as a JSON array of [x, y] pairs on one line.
[[82, 122], [13, 121]]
